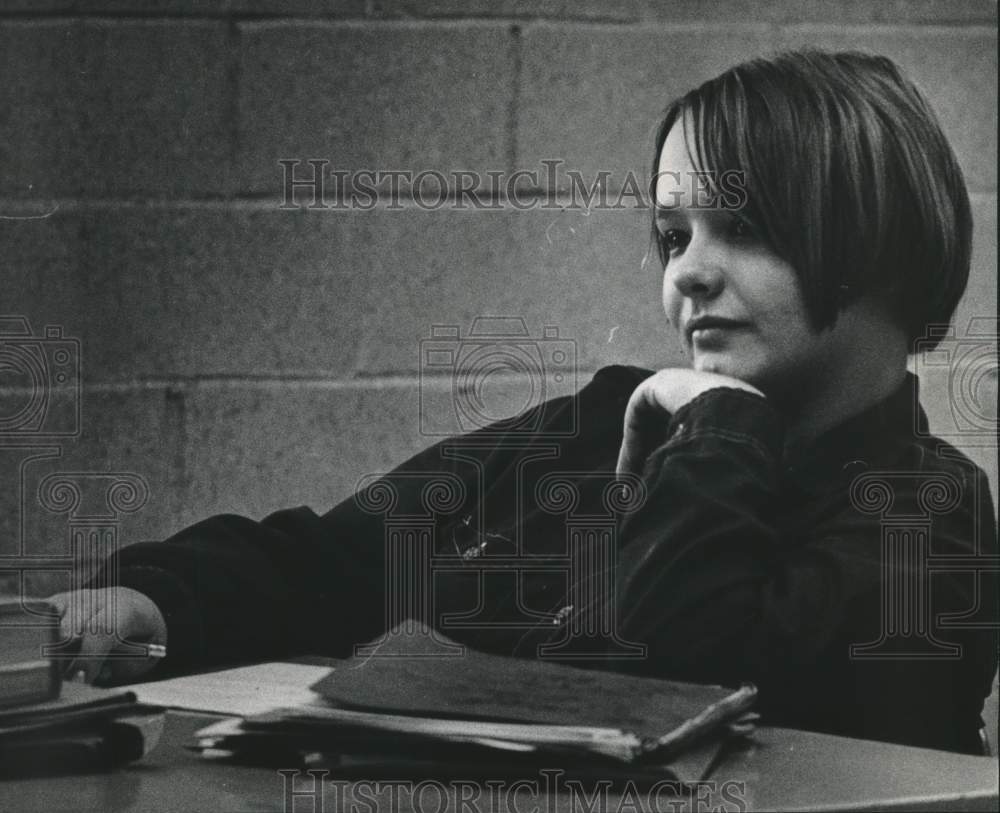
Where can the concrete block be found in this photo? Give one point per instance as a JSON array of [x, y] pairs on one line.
[[302, 8], [980, 298], [778, 11], [99, 110], [154, 8], [191, 292], [122, 471], [624, 10], [33, 7], [380, 97], [592, 96], [576, 273], [202, 291], [846, 12], [253, 449], [257, 293]]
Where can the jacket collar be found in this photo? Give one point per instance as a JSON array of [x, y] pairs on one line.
[[864, 441]]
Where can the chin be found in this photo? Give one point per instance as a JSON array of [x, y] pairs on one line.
[[722, 365], [749, 370]]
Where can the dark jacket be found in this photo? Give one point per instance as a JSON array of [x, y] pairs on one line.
[[848, 580]]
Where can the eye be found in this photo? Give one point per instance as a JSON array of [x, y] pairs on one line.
[[741, 227], [674, 240]]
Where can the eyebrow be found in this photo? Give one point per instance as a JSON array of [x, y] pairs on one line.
[[667, 214]]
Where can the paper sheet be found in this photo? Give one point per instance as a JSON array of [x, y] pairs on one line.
[[242, 691]]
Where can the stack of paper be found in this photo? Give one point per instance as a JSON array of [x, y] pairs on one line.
[[484, 710], [240, 691]]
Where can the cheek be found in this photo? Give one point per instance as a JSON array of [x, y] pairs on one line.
[[671, 302], [779, 304], [779, 313]]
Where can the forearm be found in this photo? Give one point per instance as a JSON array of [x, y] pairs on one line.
[[702, 555], [234, 589]]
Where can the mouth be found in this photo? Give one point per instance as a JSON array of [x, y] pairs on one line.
[[706, 326]]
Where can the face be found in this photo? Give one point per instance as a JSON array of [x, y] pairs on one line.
[[737, 307]]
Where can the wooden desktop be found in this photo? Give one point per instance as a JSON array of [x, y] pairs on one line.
[[778, 769]]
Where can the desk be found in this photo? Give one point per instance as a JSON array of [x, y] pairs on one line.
[[780, 770]]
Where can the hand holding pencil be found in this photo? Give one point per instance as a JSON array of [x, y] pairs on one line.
[[122, 634]]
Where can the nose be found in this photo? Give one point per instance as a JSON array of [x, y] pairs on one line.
[[697, 274]]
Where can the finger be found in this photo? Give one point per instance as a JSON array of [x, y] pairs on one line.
[[626, 458], [67, 645], [95, 644], [75, 610], [635, 452], [644, 432], [69, 651], [629, 449], [630, 452], [93, 652]]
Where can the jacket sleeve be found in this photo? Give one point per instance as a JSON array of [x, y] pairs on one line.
[[721, 588], [232, 588]]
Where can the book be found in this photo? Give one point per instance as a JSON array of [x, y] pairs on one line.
[[28, 627]]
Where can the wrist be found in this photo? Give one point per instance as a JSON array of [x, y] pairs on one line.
[[736, 413]]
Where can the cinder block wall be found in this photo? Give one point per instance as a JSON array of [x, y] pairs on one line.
[[243, 357]]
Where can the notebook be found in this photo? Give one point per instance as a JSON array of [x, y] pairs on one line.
[[652, 719]]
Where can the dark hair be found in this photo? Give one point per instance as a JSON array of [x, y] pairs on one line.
[[847, 174]]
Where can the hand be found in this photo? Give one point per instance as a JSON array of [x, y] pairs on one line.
[[133, 615], [654, 401]]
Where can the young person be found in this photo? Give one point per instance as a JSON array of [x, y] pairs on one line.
[[761, 492]]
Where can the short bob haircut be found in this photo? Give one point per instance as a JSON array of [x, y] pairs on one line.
[[848, 177]]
